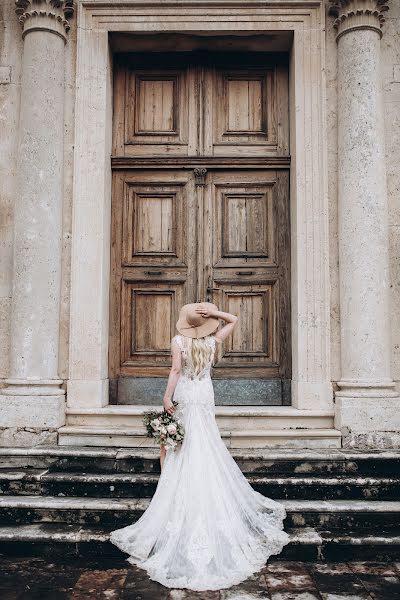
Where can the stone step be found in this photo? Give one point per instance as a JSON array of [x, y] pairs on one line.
[[266, 438], [284, 462], [306, 544], [143, 485], [229, 418], [110, 512]]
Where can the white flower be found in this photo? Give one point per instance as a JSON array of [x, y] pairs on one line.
[[171, 428], [155, 423]]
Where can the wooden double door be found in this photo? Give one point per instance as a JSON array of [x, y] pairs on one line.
[[200, 212]]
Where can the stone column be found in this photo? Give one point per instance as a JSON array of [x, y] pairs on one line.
[[33, 397], [366, 403]]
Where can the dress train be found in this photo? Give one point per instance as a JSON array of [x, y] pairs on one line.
[[205, 528]]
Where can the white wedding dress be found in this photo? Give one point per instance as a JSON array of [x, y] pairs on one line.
[[205, 528]]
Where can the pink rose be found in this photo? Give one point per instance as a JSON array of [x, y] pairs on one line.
[[171, 429]]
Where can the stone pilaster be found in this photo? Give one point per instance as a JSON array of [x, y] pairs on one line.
[[366, 403], [34, 398]]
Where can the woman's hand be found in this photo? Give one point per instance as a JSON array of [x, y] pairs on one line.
[[204, 310], [169, 407]]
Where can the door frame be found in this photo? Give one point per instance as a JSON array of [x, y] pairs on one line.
[[88, 383]]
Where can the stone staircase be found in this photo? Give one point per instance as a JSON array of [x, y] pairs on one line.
[[240, 427], [341, 505]]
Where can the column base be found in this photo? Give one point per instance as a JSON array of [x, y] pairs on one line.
[[368, 421]]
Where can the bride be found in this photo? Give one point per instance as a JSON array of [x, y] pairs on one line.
[[205, 528]]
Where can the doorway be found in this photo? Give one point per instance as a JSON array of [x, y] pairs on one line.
[[200, 212]]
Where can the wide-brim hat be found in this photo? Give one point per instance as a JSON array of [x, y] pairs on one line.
[[193, 324]]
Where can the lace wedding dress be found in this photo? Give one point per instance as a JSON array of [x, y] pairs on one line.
[[205, 528]]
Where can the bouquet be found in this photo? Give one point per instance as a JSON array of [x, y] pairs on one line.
[[163, 427]]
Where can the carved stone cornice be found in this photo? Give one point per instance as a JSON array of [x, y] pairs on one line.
[[358, 14], [47, 15]]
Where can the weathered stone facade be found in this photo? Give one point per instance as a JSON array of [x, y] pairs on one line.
[[55, 82]]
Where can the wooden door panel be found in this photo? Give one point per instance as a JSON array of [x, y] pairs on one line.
[[156, 108], [247, 111], [252, 350], [153, 266], [153, 223], [155, 112], [149, 314], [248, 271], [244, 218]]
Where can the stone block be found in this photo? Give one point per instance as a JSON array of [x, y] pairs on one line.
[[27, 437], [368, 422], [41, 412]]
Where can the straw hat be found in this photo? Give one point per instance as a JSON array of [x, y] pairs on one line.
[[194, 325]]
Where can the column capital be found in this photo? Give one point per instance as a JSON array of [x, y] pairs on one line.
[[358, 14], [47, 15]]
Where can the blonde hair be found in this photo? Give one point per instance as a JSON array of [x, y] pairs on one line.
[[198, 354]]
